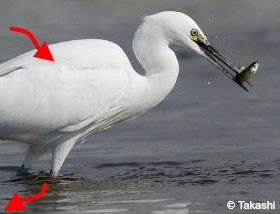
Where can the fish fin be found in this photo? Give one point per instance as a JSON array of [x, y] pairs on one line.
[[250, 84], [234, 78], [240, 67], [242, 86]]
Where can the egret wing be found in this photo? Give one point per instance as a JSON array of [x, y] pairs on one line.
[[42, 99], [86, 53]]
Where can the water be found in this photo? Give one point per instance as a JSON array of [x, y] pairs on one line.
[[204, 145]]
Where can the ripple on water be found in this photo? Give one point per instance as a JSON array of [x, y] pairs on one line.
[[149, 175]]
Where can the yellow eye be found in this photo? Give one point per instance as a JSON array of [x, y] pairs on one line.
[[194, 32]]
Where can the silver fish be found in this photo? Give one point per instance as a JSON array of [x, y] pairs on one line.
[[246, 73]]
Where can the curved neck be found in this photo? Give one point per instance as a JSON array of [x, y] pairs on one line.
[[151, 48]]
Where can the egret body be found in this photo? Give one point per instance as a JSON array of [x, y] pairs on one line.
[[92, 85]]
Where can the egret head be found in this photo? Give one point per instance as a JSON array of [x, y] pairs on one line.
[[197, 41], [182, 30], [170, 27]]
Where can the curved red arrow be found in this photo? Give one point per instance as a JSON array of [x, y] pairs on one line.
[[16, 203], [43, 52]]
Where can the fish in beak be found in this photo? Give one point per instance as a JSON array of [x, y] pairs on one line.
[[212, 55], [246, 73]]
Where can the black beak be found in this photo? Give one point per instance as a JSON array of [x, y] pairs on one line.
[[219, 61]]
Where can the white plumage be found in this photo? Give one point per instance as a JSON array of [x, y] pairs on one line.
[[90, 86]]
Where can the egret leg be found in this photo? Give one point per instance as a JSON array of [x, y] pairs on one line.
[[34, 152], [22, 170], [59, 154]]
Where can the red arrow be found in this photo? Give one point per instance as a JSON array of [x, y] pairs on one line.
[[16, 203], [43, 52]]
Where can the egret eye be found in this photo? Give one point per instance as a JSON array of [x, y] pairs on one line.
[[194, 32]]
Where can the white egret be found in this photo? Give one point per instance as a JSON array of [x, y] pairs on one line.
[[92, 85]]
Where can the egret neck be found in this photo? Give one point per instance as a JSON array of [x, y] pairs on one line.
[[151, 48]]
